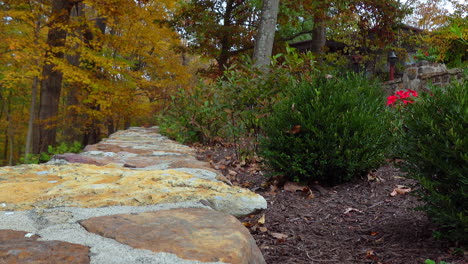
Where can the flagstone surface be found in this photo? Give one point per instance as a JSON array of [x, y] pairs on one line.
[[142, 197]]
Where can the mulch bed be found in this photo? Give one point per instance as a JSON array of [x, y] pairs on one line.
[[357, 222]]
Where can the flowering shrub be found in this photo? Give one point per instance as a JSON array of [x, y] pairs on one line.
[[402, 97], [434, 148]]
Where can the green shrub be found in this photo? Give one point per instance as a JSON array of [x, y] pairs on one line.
[[434, 147], [330, 130], [233, 106], [194, 115], [63, 147]]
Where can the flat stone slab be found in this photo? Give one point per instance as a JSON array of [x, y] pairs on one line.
[[62, 224], [194, 233], [82, 185], [145, 199], [22, 247]]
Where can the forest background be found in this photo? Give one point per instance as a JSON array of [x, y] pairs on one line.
[[78, 70]]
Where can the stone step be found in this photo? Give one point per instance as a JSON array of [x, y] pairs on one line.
[[136, 197]]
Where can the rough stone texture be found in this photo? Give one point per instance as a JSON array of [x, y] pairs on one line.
[[194, 233], [139, 148], [83, 185], [419, 75], [135, 172], [20, 247]]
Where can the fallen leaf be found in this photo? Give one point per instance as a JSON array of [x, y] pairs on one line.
[[400, 189], [279, 236], [372, 176], [294, 187], [247, 224], [262, 229], [295, 129], [273, 189], [247, 184], [373, 233], [350, 209], [370, 254], [261, 220], [232, 173]]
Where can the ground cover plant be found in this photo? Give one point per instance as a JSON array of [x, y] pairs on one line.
[[331, 130]]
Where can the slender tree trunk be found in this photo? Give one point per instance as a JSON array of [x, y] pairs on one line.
[[51, 83], [9, 135], [266, 33], [319, 37], [10, 140], [5, 146], [32, 107], [32, 116]]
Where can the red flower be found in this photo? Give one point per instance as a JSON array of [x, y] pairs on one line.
[[403, 96], [426, 53], [392, 99], [413, 92]]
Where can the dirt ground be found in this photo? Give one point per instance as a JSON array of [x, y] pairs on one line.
[[371, 220]]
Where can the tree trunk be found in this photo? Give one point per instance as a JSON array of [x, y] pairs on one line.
[[226, 44], [10, 133], [71, 132], [266, 33], [51, 83], [32, 107], [319, 37], [11, 136], [32, 116]]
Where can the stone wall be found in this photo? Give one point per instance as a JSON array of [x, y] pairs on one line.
[[419, 75]]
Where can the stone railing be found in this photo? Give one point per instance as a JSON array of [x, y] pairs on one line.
[[419, 75]]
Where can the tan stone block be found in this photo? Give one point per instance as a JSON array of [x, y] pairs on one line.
[[190, 233]]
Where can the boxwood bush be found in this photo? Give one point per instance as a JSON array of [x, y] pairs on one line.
[[329, 130], [435, 150]]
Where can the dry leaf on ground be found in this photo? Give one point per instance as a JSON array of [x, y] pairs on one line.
[[279, 236], [294, 187], [261, 220], [349, 209], [400, 189], [372, 176]]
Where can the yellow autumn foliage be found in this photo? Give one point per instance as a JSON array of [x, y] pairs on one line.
[[123, 74]]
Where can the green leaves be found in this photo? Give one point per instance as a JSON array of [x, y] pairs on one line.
[[344, 130], [434, 147]]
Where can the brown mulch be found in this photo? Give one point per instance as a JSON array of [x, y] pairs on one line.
[[357, 222]]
